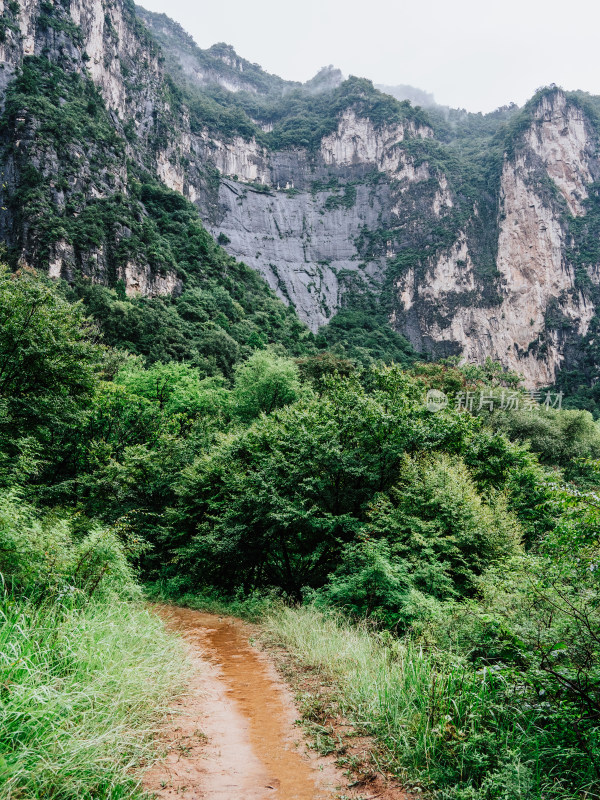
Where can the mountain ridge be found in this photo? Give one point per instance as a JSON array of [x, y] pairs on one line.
[[341, 198]]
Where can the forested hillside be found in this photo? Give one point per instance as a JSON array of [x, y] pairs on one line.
[[307, 353], [470, 531]]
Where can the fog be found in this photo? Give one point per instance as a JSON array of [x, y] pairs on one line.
[[469, 54]]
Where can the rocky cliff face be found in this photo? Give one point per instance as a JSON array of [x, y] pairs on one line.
[[371, 198], [297, 216], [543, 185], [85, 97]]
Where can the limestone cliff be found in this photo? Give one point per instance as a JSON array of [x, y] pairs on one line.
[[473, 243], [543, 185]]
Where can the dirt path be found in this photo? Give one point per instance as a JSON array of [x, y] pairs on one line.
[[232, 737]]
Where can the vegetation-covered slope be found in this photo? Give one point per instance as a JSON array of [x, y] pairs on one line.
[[468, 531], [164, 416]]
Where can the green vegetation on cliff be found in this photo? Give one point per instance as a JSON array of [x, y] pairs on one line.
[[439, 568], [300, 115]]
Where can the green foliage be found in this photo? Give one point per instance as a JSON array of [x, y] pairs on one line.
[[213, 326], [316, 369], [429, 538], [82, 669], [52, 555], [8, 21], [263, 384], [252, 607], [558, 437], [361, 332], [369, 583], [312, 479], [345, 200], [274, 505], [579, 381], [178, 389], [438, 524], [300, 116], [455, 729], [200, 452], [225, 311], [48, 371]]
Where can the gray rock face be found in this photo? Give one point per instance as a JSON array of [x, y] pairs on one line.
[[495, 270], [304, 249], [298, 217]]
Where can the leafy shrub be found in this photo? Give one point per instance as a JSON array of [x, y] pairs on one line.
[[274, 505], [369, 583], [558, 437], [436, 521], [457, 730], [48, 556], [428, 539], [263, 384], [48, 374]]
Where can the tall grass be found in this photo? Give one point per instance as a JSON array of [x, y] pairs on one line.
[[462, 733], [79, 692]]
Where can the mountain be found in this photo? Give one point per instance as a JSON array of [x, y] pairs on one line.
[[472, 235]]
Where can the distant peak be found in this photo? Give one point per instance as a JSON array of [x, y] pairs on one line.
[[326, 79], [226, 53]]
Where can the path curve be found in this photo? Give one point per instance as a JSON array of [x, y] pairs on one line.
[[232, 736]]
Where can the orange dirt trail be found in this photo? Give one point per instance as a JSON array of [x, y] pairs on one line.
[[232, 737]]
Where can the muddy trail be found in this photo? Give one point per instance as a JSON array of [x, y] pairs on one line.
[[232, 736]]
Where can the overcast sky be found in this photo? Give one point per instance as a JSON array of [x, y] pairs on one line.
[[474, 54]]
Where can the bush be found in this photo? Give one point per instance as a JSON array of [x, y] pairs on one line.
[[368, 583], [49, 369], [438, 524], [44, 557], [263, 384], [274, 505], [558, 437]]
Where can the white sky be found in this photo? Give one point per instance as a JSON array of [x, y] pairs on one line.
[[474, 54]]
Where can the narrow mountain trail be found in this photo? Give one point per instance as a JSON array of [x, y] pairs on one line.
[[232, 736]]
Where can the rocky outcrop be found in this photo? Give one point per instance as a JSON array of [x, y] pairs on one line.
[[374, 206], [141, 279], [304, 247], [301, 226], [543, 183], [237, 159], [563, 140], [357, 141]]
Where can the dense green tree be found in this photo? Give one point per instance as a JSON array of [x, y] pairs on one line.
[[435, 520], [558, 437], [49, 368], [273, 505], [369, 583], [263, 384]]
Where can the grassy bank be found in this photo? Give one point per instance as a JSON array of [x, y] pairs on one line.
[[79, 692], [442, 725]]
